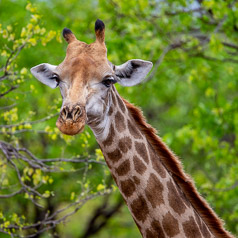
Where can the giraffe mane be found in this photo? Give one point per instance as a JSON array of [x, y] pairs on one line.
[[174, 166]]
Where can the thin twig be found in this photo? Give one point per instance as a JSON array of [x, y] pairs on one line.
[[31, 122], [9, 90], [161, 57], [12, 194]]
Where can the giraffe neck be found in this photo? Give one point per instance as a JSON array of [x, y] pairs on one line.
[[157, 203]]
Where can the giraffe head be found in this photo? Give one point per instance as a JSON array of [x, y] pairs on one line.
[[85, 78]]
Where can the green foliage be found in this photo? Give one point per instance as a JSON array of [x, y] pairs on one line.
[[28, 121], [191, 99]]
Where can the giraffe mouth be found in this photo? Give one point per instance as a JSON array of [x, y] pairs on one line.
[[71, 125], [70, 128]]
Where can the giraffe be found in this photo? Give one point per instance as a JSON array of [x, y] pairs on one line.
[[161, 197]]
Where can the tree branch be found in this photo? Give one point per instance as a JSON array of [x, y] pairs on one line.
[[8, 91], [161, 57]]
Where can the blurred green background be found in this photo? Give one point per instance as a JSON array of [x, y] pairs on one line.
[[191, 97]]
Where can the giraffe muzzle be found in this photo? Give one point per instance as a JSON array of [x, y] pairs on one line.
[[71, 121]]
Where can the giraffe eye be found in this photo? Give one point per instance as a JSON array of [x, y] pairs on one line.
[[107, 82]]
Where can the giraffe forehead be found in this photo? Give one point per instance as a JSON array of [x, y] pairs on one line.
[[84, 62], [84, 67], [78, 47]]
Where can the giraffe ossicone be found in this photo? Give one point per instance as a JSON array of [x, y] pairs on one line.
[[160, 196]]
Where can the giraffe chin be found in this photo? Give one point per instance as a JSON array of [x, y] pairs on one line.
[[69, 127]]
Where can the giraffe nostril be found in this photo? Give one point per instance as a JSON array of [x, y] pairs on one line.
[[76, 113], [64, 113]]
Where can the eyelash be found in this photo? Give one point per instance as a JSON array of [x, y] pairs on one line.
[[107, 82]]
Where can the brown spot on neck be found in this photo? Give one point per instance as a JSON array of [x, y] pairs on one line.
[[115, 155], [142, 151], [149, 234], [128, 187], [139, 165], [158, 231], [156, 163], [125, 144], [121, 104], [110, 110], [175, 200], [120, 122], [191, 229], [123, 168], [134, 131], [154, 191], [139, 208], [114, 100], [170, 225]]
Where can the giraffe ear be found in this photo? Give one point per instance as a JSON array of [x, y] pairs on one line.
[[132, 72], [45, 74]]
